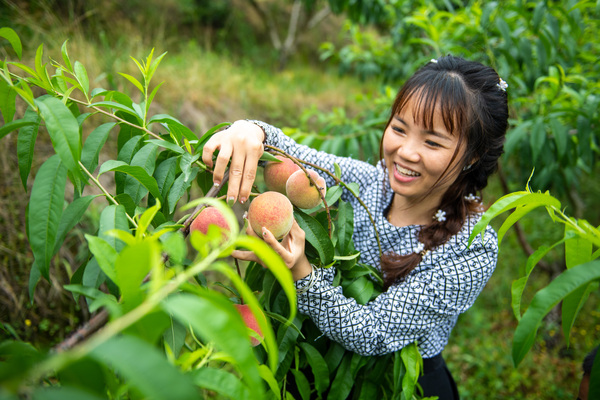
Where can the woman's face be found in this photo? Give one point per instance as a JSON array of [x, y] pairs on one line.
[[416, 157]]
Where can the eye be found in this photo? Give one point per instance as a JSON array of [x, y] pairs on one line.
[[398, 129], [432, 143]]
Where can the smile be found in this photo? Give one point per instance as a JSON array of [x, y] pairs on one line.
[[405, 171]]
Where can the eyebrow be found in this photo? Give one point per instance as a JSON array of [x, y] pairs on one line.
[[427, 131]]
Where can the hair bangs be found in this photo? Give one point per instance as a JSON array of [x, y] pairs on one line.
[[433, 93]]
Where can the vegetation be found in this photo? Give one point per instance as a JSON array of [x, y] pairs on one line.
[[221, 65]]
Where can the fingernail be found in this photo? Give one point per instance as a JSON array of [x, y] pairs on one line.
[[264, 231], [245, 216], [217, 183], [243, 200], [230, 200]]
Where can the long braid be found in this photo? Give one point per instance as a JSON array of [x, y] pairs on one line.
[[479, 114]]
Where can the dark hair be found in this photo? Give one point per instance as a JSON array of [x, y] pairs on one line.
[[473, 106]]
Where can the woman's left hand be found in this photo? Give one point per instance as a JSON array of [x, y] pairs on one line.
[[290, 249]]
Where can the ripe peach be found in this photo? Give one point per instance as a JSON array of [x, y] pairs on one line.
[[209, 216], [301, 191], [272, 210], [276, 174], [250, 321]]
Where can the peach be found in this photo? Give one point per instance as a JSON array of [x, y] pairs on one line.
[[209, 216], [302, 192], [250, 321], [272, 210], [276, 174]]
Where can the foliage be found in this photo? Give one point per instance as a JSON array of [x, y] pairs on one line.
[[572, 287], [165, 304]]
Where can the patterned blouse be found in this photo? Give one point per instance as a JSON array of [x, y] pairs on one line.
[[423, 307]]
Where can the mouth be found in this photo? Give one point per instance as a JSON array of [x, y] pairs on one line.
[[405, 171]]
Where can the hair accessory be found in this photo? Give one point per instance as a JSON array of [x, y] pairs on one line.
[[472, 197], [502, 85], [311, 281], [440, 215], [434, 60], [467, 167], [420, 249]]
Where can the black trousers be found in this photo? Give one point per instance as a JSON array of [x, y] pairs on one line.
[[437, 379]]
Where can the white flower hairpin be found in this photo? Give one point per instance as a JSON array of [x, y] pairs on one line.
[[440, 215], [472, 197], [502, 85], [434, 60]]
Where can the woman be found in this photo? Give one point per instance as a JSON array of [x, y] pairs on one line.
[[442, 141]]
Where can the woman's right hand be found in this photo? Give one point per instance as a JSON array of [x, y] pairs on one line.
[[242, 143]]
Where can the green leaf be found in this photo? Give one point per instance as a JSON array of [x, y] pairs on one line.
[[7, 101], [537, 138], [26, 143], [82, 77], [135, 82], [94, 144], [65, 56], [45, 210], [64, 131], [226, 329], [512, 200], [145, 368], [113, 217], [134, 171], [318, 366], [175, 126], [179, 187], [145, 158], [513, 218], [344, 227], [544, 300], [132, 265], [222, 382], [301, 384], [13, 126], [105, 255], [167, 145], [12, 37], [71, 216], [117, 106], [518, 285], [343, 381], [174, 337], [413, 364], [165, 175], [316, 235]]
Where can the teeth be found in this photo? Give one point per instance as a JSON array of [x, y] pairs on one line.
[[405, 171]]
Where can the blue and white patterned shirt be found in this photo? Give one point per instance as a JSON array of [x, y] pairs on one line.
[[423, 307]]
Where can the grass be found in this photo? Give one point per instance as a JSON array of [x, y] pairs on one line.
[[204, 87]]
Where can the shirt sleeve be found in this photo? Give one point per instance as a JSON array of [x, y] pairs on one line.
[[428, 299]]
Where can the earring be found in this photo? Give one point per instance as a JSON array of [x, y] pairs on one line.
[[440, 215], [467, 167]]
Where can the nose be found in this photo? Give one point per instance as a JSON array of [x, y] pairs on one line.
[[409, 150]]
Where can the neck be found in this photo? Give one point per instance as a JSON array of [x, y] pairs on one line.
[[404, 212]]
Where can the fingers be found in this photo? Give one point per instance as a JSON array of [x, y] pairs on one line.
[[242, 170], [250, 166], [242, 144]]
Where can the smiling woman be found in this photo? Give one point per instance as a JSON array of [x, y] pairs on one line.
[[443, 139]]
